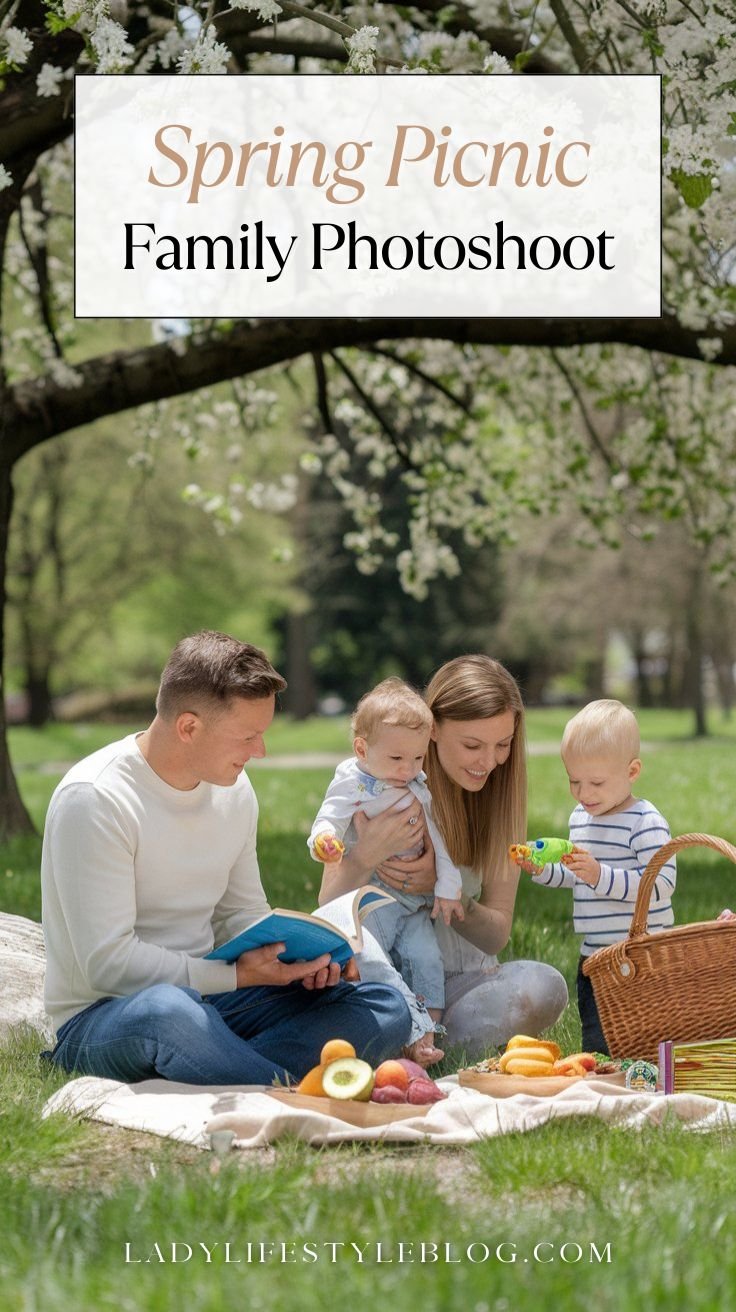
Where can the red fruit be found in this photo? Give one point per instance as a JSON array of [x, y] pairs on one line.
[[388, 1093], [392, 1073], [424, 1091], [413, 1070]]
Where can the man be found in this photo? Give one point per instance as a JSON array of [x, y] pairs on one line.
[[149, 860]]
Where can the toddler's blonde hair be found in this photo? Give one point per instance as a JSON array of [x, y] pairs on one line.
[[391, 702], [603, 728]]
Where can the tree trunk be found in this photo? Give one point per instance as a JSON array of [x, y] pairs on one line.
[[694, 682], [726, 689], [40, 705], [644, 693], [14, 819], [300, 698], [594, 673]]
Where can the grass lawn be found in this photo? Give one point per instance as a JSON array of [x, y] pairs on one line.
[[73, 1194]]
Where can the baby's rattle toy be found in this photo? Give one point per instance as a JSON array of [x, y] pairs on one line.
[[328, 848], [542, 850]]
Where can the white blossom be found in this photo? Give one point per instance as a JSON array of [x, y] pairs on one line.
[[141, 460], [18, 46], [114, 52], [170, 48], [362, 49], [207, 55], [496, 64], [48, 80], [266, 9], [63, 374], [6, 179]]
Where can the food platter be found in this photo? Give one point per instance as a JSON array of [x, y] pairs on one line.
[[363, 1114], [546, 1086]]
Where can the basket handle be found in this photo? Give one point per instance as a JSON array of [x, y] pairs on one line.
[[660, 859]]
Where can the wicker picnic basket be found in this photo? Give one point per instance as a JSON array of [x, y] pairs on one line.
[[677, 984]]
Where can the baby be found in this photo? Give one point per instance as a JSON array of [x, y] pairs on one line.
[[616, 835], [391, 728]]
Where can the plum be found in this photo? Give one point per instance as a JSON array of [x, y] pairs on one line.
[[413, 1069], [424, 1091], [388, 1093]]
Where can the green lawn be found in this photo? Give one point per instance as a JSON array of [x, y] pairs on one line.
[[73, 1194]]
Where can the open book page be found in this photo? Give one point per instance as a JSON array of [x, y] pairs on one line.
[[348, 911], [308, 937]]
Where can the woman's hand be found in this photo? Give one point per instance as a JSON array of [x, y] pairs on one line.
[[417, 875], [393, 830]]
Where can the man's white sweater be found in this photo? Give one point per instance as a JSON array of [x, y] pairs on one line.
[[141, 880]]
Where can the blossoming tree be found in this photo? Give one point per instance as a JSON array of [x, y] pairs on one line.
[[626, 421]]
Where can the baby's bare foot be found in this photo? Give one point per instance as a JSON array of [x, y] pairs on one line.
[[424, 1053]]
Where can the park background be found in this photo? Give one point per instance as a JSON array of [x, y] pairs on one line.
[[364, 498]]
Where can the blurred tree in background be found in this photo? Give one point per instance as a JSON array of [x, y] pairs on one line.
[[621, 425]]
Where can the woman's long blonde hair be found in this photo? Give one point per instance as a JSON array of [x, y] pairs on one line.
[[479, 827]]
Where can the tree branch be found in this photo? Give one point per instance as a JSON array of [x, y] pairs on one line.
[[39, 409], [588, 424], [422, 374], [567, 28], [373, 409], [503, 40]]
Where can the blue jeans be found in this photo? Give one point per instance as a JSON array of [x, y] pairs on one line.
[[246, 1036], [405, 931], [593, 1037]]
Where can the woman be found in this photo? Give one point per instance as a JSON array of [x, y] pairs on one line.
[[476, 770]]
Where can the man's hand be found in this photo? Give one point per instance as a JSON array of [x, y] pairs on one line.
[[261, 966], [584, 866]]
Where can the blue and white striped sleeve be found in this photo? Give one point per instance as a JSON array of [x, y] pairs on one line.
[[555, 876], [622, 885]]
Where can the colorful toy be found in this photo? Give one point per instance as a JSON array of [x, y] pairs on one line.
[[328, 848], [541, 851]]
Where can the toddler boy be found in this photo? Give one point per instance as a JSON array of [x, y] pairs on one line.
[[617, 834]]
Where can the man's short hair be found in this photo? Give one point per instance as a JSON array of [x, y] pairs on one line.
[[208, 670], [392, 702], [602, 728]]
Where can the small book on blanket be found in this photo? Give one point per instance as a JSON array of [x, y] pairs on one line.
[[307, 937], [708, 1068]]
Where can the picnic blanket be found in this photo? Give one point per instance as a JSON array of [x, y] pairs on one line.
[[191, 1113]]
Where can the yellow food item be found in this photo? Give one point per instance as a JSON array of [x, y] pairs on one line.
[[539, 1056], [312, 1083], [525, 1066], [523, 1041], [334, 1049]]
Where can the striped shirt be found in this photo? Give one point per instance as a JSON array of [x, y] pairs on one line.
[[623, 844]]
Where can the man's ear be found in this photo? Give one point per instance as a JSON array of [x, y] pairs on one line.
[[359, 747], [634, 769], [187, 726], [433, 732]]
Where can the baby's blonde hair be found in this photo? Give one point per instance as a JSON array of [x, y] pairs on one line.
[[391, 702], [604, 728]]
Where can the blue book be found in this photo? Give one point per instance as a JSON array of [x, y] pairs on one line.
[[307, 936]]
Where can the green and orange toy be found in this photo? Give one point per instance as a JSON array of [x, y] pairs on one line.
[[542, 851]]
